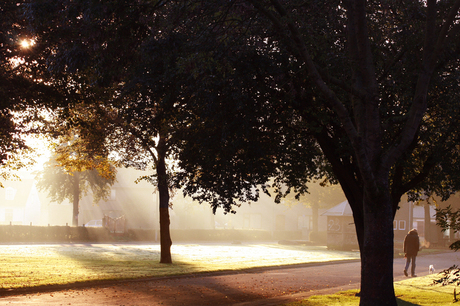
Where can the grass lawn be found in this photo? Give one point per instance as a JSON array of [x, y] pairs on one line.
[[37, 265], [410, 292]]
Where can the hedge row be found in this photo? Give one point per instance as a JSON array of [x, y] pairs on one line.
[[58, 234], [68, 234], [224, 235]]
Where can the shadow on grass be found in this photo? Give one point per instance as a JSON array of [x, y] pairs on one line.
[[120, 263], [422, 293], [136, 269], [83, 265], [124, 261], [431, 288], [405, 303]]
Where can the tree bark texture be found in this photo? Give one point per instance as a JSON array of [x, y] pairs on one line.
[[163, 189], [165, 238], [377, 252]]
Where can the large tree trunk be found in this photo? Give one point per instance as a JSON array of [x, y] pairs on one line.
[[165, 238], [358, 218], [377, 251], [163, 189], [76, 198]]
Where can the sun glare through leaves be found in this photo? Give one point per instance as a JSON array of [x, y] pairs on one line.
[[27, 43]]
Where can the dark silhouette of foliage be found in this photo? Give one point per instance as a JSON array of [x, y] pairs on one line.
[[449, 219], [243, 92]]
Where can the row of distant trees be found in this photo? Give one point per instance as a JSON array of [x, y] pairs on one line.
[[70, 175], [227, 99]]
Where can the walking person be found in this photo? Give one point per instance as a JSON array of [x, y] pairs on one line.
[[411, 248]]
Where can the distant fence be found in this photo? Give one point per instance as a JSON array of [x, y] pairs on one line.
[[69, 234], [25, 233]]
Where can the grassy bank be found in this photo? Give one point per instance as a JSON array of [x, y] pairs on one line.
[[413, 291], [38, 265]]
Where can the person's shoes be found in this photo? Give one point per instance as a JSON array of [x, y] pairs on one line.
[[405, 273], [414, 275]]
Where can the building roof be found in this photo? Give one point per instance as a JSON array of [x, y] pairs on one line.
[[342, 209]]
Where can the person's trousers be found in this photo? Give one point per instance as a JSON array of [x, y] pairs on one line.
[[409, 260]]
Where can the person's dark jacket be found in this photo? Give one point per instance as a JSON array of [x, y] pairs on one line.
[[411, 243]]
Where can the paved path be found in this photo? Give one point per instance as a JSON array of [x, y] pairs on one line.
[[268, 286]]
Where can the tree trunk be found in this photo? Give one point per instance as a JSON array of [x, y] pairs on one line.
[[165, 238], [76, 198], [163, 189], [377, 252], [358, 218]]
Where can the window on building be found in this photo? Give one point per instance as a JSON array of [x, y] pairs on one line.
[[10, 193], [402, 225]]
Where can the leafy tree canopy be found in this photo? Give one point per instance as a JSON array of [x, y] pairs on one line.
[[363, 93]]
